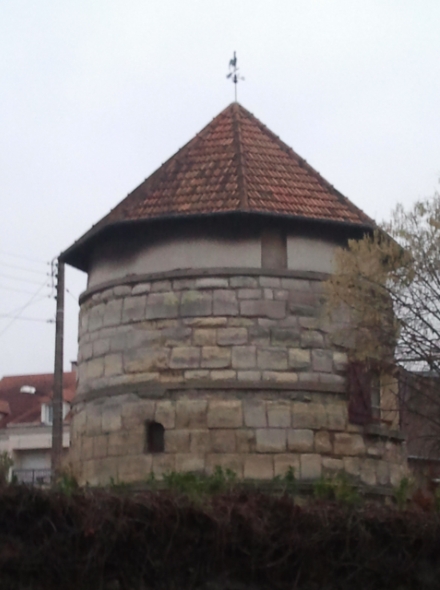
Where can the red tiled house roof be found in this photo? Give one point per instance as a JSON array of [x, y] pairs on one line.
[[235, 164], [25, 408]]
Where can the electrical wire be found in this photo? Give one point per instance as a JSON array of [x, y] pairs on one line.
[[27, 319], [24, 268], [17, 290], [29, 259], [18, 279], [18, 314]]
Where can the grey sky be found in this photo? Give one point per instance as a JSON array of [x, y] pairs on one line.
[[96, 94]]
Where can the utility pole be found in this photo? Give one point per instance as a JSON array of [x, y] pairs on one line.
[[57, 401]]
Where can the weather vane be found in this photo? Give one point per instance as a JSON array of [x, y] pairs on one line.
[[233, 74]]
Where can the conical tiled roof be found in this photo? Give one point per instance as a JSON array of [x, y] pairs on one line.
[[234, 164]]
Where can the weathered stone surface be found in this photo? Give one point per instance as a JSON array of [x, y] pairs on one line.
[[199, 441], [166, 413], [87, 447], [215, 357], [263, 308], [195, 374], [185, 357], [254, 413], [163, 463], [232, 461], [177, 441], [225, 303], [383, 473], [258, 467], [176, 336], [285, 336], [302, 285], [113, 364], [137, 413], [272, 358], [249, 293], [142, 337], [225, 414], [310, 466], [95, 368], [204, 337], [280, 377], [368, 472], [278, 414], [112, 313], [122, 291], [348, 444], [223, 441], [100, 446], [121, 443], [248, 375], [271, 440], [340, 361], [101, 347], [331, 464], [322, 442], [190, 462], [299, 359], [285, 461], [196, 303], [96, 317], [111, 418], [231, 336], [191, 413], [134, 309], [312, 339], [248, 282], [222, 375], [259, 335], [337, 416], [322, 360], [212, 282], [273, 282], [145, 359], [244, 357], [86, 351], [309, 415], [303, 303], [245, 440], [135, 468], [161, 305], [141, 289], [183, 284], [300, 441], [160, 286], [205, 322], [268, 293], [352, 466]]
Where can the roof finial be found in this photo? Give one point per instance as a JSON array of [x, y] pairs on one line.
[[233, 74]]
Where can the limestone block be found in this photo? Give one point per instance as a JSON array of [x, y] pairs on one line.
[[191, 413], [225, 414], [87, 447], [254, 413], [205, 322], [111, 418], [166, 413], [322, 442], [215, 357], [322, 360], [134, 309], [190, 462], [241, 322], [183, 284], [107, 470], [162, 305], [272, 358], [285, 336], [231, 336], [340, 361], [163, 463], [195, 303], [383, 473], [194, 375], [232, 461], [113, 364], [141, 289], [249, 293], [263, 308], [268, 293], [245, 440], [100, 347], [331, 464], [247, 282], [222, 375], [283, 462], [272, 282], [86, 351], [258, 467], [199, 441], [397, 472], [122, 291], [141, 336], [368, 472], [145, 360], [112, 313], [244, 357], [93, 422], [137, 413], [278, 414], [280, 377], [225, 302], [299, 359], [300, 441], [160, 286], [310, 466], [212, 282], [309, 415], [223, 441], [376, 448], [348, 444], [248, 375], [176, 336], [271, 440], [303, 303], [205, 337], [185, 357], [281, 294], [95, 368], [352, 466], [177, 441], [259, 335], [119, 443], [135, 468], [95, 317], [312, 339], [90, 472], [100, 449], [337, 416], [296, 284]]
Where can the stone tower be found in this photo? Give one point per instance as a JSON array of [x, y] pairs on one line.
[[201, 335]]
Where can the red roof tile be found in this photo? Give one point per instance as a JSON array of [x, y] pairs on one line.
[[234, 164]]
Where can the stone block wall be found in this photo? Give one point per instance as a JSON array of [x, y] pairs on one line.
[[258, 435]]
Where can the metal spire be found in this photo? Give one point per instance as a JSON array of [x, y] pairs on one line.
[[233, 74]]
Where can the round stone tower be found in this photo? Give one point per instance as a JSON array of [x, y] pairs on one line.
[[202, 337]]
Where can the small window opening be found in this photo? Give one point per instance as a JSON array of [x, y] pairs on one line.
[[155, 440]]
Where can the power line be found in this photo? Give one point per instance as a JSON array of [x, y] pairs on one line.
[[15, 267], [18, 314], [28, 258], [19, 290], [21, 280], [16, 309], [27, 319], [72, 295]]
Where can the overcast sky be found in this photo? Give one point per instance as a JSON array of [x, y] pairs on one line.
[[96, 94]]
